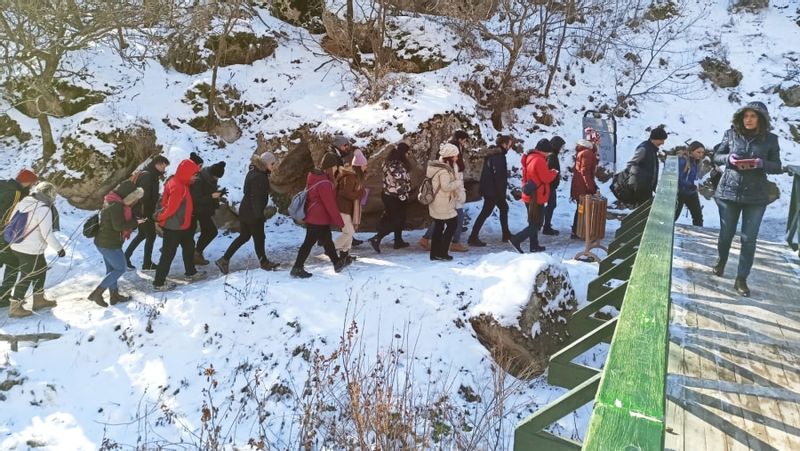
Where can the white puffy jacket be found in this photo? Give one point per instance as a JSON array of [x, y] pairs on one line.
[[39, 229]]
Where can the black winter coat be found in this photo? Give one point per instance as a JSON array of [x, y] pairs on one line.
[[149, 181], [112, 226], [747, 186], [553, 162], [202, 189], [494, 174], [644, 168], [11, 192], [256, 195]]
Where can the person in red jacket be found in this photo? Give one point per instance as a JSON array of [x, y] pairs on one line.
[[175, 219], [582, 177], [535, 172], [321, 213]]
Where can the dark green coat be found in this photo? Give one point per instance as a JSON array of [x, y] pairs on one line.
[[11, 192], [112, 226]]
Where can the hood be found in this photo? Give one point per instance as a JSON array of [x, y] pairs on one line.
[[435, 166], [28, 204], [186, 170], [763, 117], [315, 176]]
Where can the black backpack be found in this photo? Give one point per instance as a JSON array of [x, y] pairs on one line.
[[92, 226], [622, 187]]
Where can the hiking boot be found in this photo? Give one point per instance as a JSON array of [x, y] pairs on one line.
[[97, 297], [425, 243], [268, 265], [116, 297], [718, 269], [40, 302], [197, 275], [516, 245], [224, 265], [550, 231], [340, 264], [506, 237], [740, 285], [445, 258], [458, 247], [475, 241], [375, 244], [199, 259], [300, 273], [346, 256], [16, 310], [357, 242], [129, 264], [149, 266], [535, 249], [166, 286], [401, 244]]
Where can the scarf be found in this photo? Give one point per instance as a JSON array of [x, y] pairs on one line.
[[127, 212]]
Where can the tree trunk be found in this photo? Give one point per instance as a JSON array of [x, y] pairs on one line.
[[350, 28], [48, 143], [212, 92], [554, 66]]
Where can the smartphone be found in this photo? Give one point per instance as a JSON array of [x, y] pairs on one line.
[[748, 163]]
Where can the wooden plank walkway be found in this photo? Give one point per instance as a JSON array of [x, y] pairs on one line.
[[733, 373]]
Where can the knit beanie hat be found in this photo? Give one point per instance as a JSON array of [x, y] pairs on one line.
[[340, 141], [359, 159], [27, 176], [658, 133], [585, 144], [459, 135], [544, 146], [557, 142], [217, 169], [196, 158], [447, 150], [44, 192], [129, 192]]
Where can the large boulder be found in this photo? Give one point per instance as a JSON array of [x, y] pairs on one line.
[[720, 73], [522, 334], [790, 95], [84, 174]]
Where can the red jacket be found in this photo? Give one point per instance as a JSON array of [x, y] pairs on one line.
[[534, 167], [583, 174], [176, 202], [321, 201]]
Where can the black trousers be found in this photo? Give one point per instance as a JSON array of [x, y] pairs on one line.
[[33, 271], [247, 230], [489, 204], [145, 232], [208, 231], [314, 233], [173, 239], [692, 202], [9, 261], [443, 231], [549, 209], [393, 218]]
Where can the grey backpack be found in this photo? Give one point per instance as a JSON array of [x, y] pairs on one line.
[[297, 207]]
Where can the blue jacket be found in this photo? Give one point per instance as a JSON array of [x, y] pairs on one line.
[[687, 176], [494, 175]]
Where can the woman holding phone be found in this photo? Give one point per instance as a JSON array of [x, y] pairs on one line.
[[749, 152]]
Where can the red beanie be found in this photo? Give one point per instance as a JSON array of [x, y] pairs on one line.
[[26, 176]]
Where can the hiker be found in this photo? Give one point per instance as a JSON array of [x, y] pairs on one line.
[[536, 178], [350, 190], [196, 159], [688, 170], [38, 222], [205, 197], [175, 219], [493, 184], [334, 157], [553, 162], [583, 181], [749, 152], [252, 220], [148, 179], [449, 192], [116, 223], [11, 192], [396, 191], [644, 165], [321, 213]]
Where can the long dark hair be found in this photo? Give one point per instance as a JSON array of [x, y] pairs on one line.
[[398, 153]]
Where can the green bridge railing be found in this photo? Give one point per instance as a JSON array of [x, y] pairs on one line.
[[629, 392]]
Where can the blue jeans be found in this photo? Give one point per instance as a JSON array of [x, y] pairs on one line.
[[459, 227], [115, 266], [729, 213]]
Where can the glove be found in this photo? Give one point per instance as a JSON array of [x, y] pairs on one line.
[[62, 253]]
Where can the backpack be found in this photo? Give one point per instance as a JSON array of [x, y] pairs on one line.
[[134, 178], [622, 188], [92, 226], [14, 232], [426, 193], [297, 206]]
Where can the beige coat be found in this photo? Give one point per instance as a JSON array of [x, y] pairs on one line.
[[448, 188]]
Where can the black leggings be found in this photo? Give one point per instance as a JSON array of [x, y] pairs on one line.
[[208, 231], [550, 209], [443, 236], [393, 218], [147, 233], [247, 230], [33, 270], [489, 203], [314, 233], [692, 202]]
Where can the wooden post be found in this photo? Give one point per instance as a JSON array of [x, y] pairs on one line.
[[592, 213]]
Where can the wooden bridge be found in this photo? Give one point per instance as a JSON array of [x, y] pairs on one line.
[[691, 365]]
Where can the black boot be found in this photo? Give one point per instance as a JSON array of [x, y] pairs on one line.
[[719, 268], [375, 242], [300, 273], [740, 285], [347, 257], [340, 264]]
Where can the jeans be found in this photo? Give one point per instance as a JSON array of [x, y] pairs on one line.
[[442, 236], [33, 271], [115, 266], [489, 203], [8, 260], [393, 218], [459, 227], [692, 202], [146, 232], [531, 232], [551, 207], [208, 231], [173, 239], [247, 230], [751, 215], [314, 233]]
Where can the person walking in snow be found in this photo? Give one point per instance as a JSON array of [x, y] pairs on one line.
[[334, 157], [321, 214], [688, 170], [583, 177], [205, 197], [644, 166], [252, 218], [11, 192], [493, 185], [749, 151], [396, 191], [350, 190], [460, 139], [116, 223], [536, 178], [175, 219], [553, 162], [149, 180], [38, 234], [449, 190]]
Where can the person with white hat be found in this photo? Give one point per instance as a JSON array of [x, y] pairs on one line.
[[448, 189], [583, 181]]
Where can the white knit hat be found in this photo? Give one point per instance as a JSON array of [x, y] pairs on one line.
[[585, 143], [447, 150]]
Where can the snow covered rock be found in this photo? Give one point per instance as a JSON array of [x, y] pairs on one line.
[[720, 73], [791, 96], [523, 328]]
